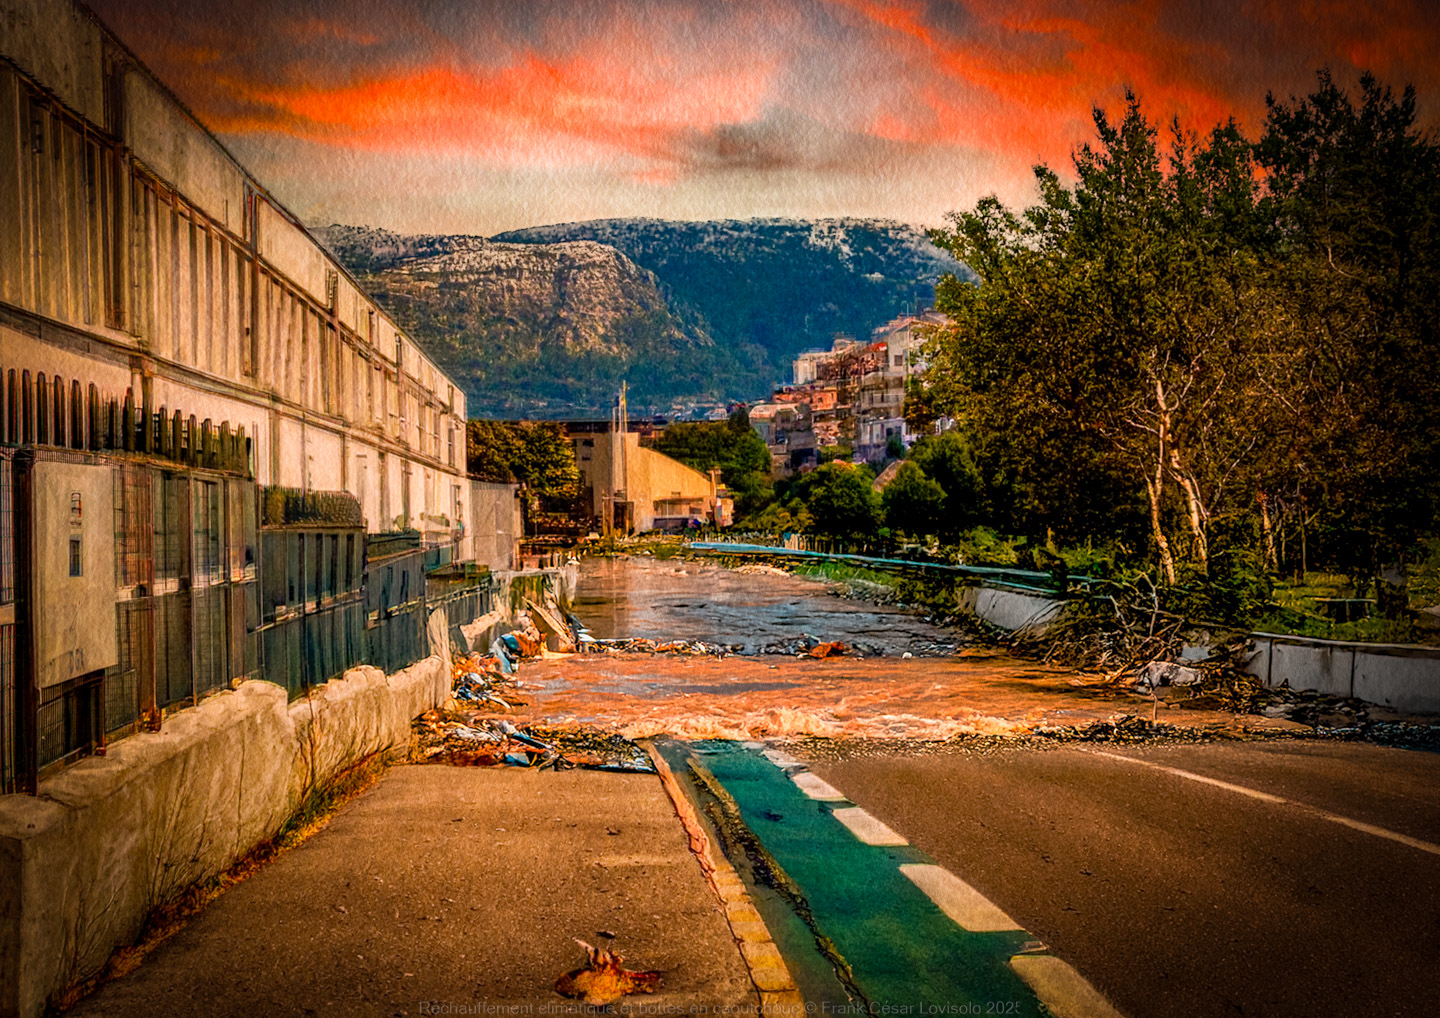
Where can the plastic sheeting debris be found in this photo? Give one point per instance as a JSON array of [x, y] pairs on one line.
[[602, 979]]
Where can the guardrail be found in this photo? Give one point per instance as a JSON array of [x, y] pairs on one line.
[[1029, 580]]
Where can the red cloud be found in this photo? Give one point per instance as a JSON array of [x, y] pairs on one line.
[[1021, 80], [629, 87]]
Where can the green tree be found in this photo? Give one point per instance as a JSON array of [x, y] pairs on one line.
[[948, 461], [913, 503], [1113, 332], [841, 500], [536, 454], [1353, 192], [731, 445]]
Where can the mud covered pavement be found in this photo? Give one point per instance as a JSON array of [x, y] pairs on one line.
[[718, 653]]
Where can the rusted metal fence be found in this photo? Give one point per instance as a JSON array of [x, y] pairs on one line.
[[215, 579]]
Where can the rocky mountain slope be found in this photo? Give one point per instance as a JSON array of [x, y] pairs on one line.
[[548, 321], [781, 285], [534, 329]]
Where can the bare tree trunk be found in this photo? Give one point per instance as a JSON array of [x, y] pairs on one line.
[[1196, 509], [1155, 487], [1272, 560]]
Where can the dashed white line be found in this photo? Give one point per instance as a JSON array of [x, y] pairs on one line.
[[1359, 825], [867, 828], [970, 909], [812, 786], [781, 759], [1064, 991]]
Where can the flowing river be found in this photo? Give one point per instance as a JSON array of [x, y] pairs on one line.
[[625, 597]]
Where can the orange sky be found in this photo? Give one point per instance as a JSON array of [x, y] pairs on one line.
[[484, 115]]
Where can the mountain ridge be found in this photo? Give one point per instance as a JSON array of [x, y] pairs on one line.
[[549, 320]]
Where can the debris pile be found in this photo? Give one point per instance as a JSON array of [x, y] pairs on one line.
[[474, 680], [466, 740], [810, 646], [465, 732], [644, 645]]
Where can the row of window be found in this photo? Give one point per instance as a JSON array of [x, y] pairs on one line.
[[89, 239]]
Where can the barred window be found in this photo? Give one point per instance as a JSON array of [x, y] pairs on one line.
[[7, 534]]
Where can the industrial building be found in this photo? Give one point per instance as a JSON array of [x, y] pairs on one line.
[[212, 442]]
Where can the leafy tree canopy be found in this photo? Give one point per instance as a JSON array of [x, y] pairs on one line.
[[841, 500], [1236, 335], [913, 503], [536, 454]]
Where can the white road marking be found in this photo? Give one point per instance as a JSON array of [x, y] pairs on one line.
[[867, 828], [1063, 990], [970, 909], [782, 760], [812, 786], [1060, 988], [1359, 825]]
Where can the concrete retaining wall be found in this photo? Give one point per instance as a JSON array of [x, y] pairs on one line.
[[83, 862], [1400, 676], [1010, 609]]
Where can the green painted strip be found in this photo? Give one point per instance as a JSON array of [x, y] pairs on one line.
[[904, 953]]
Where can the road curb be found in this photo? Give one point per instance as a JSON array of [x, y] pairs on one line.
[[773, 982]]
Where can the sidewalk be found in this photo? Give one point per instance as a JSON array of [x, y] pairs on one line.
[[448, 890]]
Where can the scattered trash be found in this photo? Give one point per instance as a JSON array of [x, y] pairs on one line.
[[525, 639], [603, 980], [810, 646], [1170, 673], [643, 645], [463, 737]]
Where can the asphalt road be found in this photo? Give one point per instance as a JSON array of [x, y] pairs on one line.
[[1178, 896]]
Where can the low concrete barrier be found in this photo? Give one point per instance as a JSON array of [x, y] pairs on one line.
[[1402, 676], [1010, 609], [83, 862]]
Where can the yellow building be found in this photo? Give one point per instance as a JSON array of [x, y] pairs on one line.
[[633, 489]]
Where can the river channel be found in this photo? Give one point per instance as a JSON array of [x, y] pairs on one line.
[[626, 597]]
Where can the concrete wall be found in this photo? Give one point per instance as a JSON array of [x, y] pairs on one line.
[[110, 837], [496, 524], [1010, 609], [1403, 677]]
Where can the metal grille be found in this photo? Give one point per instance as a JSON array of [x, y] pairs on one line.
[[134, 622], [7, 532], [311, 606], [174, 682], [7, 708], [395, 606], [69, 719], [209, 633]]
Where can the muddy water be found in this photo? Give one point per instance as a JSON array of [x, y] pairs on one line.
[[671, 599], [928, 696]]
